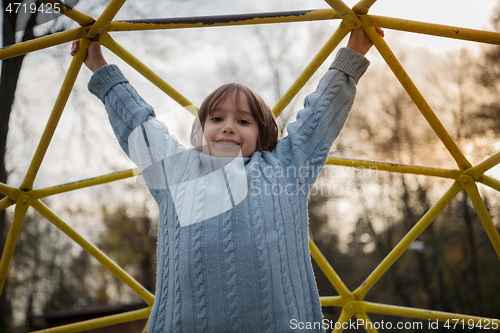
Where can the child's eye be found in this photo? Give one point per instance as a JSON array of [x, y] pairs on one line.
[[216, 119], [244, 122]]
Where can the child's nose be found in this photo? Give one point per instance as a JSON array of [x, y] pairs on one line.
[[228, 129]]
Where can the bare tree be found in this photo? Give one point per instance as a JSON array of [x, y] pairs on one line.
[[8, 84]]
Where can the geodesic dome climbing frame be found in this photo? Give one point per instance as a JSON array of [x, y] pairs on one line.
[[465, 177]]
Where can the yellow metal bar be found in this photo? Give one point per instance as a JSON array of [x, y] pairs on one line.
[[95, 252], [5, 189], [145, 329], [41, 43], [367, 323], [66, 89], [328, 270], [402, 311], [363, 6], [332, 301], [417, 97], [313, 66], [491, 182], [407, 240], [45, 192], [431, 29], [471, 188], [346, 14], [22, 205], [135, 63], [77, 16], [5, 203], [484, 166], [100, 322], [10, 191], [100, 27], [343, 318], [394, 167], [221, 21]]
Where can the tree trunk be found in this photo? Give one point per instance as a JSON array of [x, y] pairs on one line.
[[8, 82]]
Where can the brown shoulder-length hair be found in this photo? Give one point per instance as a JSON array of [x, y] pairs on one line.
[[268, 128]]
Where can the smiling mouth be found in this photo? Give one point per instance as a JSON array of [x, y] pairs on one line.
[[227, 143]]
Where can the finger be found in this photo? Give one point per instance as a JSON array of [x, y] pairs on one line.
[[75, 46]]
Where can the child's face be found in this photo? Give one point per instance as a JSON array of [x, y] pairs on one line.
[[230, 130]]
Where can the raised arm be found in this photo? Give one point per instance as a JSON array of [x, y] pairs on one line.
[[311, 136], [141, 136]]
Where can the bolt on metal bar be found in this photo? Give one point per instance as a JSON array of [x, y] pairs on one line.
[[398, 250], [95, 252], [100, 322], [417, 97], [22, 206], [395, 167], [224, 20], [59, 105], [313, 66]]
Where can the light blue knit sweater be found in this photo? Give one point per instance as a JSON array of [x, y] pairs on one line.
[[233, 253]]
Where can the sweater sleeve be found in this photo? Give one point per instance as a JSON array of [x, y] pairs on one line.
[[311, 136], [142, 137]]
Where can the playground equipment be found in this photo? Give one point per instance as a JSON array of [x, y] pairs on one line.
[[465, 176]]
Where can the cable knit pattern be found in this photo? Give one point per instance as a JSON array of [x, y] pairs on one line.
[[290, 298], [200, 298], [176, 318], [163, 286], [229, 266], [230, 258], [263, 283], [300, 250]]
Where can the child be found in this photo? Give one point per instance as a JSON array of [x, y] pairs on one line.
[[233, 252]]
